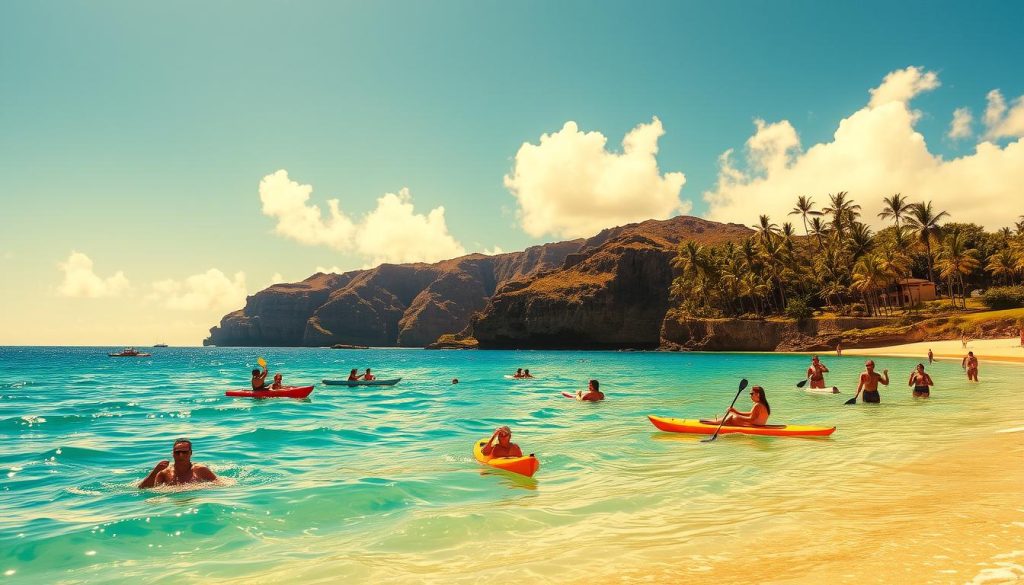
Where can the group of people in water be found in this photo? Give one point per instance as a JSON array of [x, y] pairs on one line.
[[501, 445]]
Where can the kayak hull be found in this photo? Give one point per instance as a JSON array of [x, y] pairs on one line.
[[522, 465], [390, 382], [288, 392], [696, 427], [129, 355]]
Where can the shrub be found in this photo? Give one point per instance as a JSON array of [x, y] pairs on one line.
[[1004, 297], [798, 308], [858, 310]]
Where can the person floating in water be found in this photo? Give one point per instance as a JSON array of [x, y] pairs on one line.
[[757, 416], [353, 375], [183, 470], [921, 382], [931, 356], [259, 379], [518, 374], [368, 376], [455, 380], [593, 393], [971, 363], [527, 374], [816, 373], [869, 380], [505, 446]]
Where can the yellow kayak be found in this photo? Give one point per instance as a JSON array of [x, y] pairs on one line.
[[522, 465], [699, 427]]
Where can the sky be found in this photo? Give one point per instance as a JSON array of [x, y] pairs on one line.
[[160, 161]]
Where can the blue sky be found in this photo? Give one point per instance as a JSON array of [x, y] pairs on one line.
[[138, 133]]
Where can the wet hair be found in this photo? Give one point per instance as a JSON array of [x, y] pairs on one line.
[[526, 371], [596, 385], [970, 353], [455, 380], [920, 365], [278, 376], [255, 372], [354, 371], [183, 440], [764, 399]]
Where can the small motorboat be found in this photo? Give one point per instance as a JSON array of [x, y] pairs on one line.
[[129, 352]]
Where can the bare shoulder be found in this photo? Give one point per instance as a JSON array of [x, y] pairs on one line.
[[203, 472]]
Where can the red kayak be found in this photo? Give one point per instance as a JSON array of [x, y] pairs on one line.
[[286, 392]]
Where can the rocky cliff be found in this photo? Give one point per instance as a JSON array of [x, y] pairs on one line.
[[405, 304], [611, 293]]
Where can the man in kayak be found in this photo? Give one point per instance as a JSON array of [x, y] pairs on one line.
[[368, 376], [259, 380], [183, 471], [353, 375], [593, 393], [757, 416], [869, 380], [505, 446], [971, 363], [816, 373]]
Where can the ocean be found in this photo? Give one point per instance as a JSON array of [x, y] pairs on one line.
[[379, 485]]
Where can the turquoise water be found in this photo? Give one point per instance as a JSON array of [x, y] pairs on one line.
[[379, 484]]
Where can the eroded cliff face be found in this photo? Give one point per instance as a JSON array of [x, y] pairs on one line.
[[611, 293], [408, 304], [680, 332]]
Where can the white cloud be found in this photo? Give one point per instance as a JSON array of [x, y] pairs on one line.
[[874, 152], [200, 292], [960, 127], [392, 232], [570, 185], [1002, 121], [81, 282], [276, 278], [331, 270], [493, 251]]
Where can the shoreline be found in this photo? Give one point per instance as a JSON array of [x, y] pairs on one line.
[[1004, 350]]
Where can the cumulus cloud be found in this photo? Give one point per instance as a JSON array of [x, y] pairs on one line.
[[331, 270], [493, 251], [1002, 121], [570, 185], [80, 281], [201, 292], [874, 152], [392, 232], [960, 127]]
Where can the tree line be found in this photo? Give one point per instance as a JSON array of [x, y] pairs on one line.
[[840, 264]]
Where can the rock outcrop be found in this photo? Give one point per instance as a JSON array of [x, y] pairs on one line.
[[680, 332]]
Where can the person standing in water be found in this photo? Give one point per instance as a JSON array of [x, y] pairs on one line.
[[931, 356], [869, 380], [921, 382], [183, 471], [971, 363], [816, 373], [839, 349], [757, 416]]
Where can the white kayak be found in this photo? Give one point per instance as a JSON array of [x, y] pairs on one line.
[[390, 382], [831, 390]]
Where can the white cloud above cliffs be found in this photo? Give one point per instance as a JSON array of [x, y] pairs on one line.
[[201, 292], [81, 281], [875, 152], [391, 232], [570, 185]]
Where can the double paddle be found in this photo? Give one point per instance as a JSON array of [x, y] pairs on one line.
[[743, 384]]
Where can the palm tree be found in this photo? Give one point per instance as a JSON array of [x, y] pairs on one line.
[[895, 207], [842, 210], [895, 263], [868, 276], [860, 240], [819, 229], [925, 222], [956, 260], [1003, 265], [765, 228], [804, 207]]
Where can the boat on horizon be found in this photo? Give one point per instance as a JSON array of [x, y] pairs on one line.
[[129, 352], [160, 345]]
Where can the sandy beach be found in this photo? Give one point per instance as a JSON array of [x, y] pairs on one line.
[[1007, 349]]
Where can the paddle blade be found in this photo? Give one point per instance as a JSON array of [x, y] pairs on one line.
[[709, 439], [851, 401], [835, 390], [743, 384], [801, 383], [262, 362]]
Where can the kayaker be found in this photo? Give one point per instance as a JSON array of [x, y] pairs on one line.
[[921, 382], [971, 363], [816, 373], [869, 380], [277, 382], [593, 393], [505, 446], [757, 416], [183, 471], [526, 374], [259, 380], [518, 374], [368, 376], [353, 375]]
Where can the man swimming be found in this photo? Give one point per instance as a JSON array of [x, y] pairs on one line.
[[593, 393], [505, 446], [869, 380], [183, 471], [816, 373], [971, 363]]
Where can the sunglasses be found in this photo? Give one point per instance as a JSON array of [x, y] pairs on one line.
[[182, 451]]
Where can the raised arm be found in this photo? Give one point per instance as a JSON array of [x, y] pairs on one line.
[[884, 378], [151, 479]]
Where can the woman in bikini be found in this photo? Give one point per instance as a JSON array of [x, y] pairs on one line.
[[757, 416], [921, 382]]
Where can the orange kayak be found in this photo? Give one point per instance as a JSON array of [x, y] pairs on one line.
[[522, 465], [697, 427]]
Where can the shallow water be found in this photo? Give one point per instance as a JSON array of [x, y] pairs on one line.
[[378, 484]]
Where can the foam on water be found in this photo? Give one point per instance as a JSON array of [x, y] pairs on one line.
[[379, 484]]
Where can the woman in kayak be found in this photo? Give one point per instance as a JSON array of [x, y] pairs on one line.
[[505, 446], [353, 375], [757, 416], [593, 393], [921, 382], [368, 376], [277, 385]]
